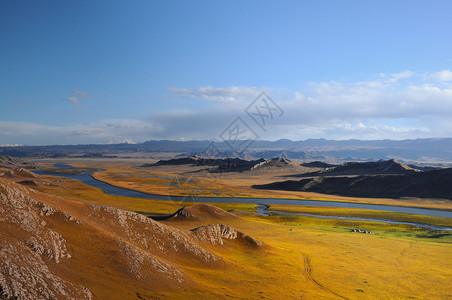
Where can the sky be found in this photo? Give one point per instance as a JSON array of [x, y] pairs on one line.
[[89, 72]]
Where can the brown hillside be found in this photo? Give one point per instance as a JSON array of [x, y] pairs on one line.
[[202, 211], [54, 248], [13, 162]]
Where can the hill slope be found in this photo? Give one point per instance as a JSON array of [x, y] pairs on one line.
[[9, 162], [431, 184], [55, 248], [391, 166]]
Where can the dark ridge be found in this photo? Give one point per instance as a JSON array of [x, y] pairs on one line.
[[220, 164], [431, 184], [391, 166], [318, 164]]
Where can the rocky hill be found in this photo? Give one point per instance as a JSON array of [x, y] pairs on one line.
[[9, 162], [55, 248]]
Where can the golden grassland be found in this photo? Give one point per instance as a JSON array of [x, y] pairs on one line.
[[364, 213], [310, 257], [188, 180]]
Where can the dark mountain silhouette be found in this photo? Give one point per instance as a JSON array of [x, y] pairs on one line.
[[232, 164], [318, 164], [221, 164], [391, 166], [431, 184]]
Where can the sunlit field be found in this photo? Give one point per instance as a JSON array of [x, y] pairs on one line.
[[304, 256]]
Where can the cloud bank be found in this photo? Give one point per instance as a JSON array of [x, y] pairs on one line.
[[390, 106]]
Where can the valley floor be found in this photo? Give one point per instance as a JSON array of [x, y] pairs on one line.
[[304, 257]]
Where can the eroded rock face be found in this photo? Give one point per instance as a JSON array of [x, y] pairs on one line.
[[25, 173], [21, 212], [19, 172], [149, 234], [141, 263], [214, 234], [26, 248], [25, 275], [14, 162]]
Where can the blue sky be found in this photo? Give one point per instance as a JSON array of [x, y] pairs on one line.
[[76, 72]]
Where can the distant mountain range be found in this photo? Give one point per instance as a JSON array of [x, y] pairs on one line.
[[437, 150]]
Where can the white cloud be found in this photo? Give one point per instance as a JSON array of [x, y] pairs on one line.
[[227, 94], [398, 76], [407, 100], [445, 75], [73, 99], [81, 94], [123, 130], [393, 106]]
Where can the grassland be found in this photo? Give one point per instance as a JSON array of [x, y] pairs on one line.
[[163, 180], [310, 257]]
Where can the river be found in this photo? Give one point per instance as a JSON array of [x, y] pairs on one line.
[[86, 178]]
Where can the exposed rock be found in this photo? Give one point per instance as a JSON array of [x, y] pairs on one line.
[[214, 234], [19, 172], [25, 173], [26, 246], [8, 174], [149, 234], [141, 263], [24, 275], [13, 162], [273, 162]]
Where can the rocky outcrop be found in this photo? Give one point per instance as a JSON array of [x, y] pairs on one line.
[[214, 234], [10, 162], [25, 173], [24, 275], [19, 172], [28, 248], [149, 234], [278, 162]]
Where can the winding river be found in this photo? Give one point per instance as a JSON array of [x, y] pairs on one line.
[[86, 178]]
